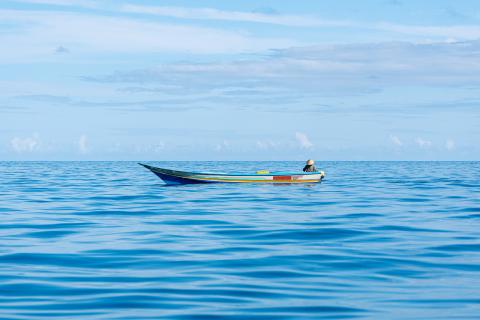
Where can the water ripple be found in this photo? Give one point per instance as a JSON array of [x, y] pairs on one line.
[[107, 240]]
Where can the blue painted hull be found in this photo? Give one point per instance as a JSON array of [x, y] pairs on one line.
[[169, 179], [183, 177]]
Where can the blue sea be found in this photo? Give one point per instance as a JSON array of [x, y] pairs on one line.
[[108, 240]]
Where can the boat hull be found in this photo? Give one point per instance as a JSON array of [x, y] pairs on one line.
[[183, 177]]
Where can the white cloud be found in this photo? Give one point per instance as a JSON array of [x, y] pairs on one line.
[[422, 143], [79, 3], [346, 68], [36, 33], [215, 14], [28, 144], [463, 32], [450, 144], [445, 32], [267, 144], [158, 147], [303, 140], [83, 144], [145, 149], [225, 144], [396, 141], [40, 31]]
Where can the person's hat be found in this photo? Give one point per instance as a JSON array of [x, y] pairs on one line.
[[310, 162]]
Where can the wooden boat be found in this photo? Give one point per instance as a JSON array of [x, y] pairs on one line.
[[183, 177]]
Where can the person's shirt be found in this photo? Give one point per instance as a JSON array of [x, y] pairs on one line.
[[309, 168]]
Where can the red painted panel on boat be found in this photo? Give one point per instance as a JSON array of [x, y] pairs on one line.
[[282, 178]]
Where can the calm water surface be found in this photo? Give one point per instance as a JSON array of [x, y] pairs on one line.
[[107, 240]]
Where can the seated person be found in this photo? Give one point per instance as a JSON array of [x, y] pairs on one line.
[[310, 166]]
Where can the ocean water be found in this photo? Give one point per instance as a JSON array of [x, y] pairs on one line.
[[107, 240]]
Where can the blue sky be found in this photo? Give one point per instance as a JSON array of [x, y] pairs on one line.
[[239, 80]]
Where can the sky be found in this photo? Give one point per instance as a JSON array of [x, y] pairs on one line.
[[239, 80]]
